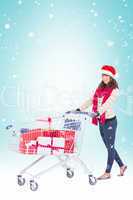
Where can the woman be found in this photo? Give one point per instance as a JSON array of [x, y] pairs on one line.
[[105, 95]]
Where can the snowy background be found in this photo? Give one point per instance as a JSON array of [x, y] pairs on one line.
[[50, 55]]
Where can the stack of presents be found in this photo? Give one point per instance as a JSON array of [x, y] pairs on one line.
[[51, 142]]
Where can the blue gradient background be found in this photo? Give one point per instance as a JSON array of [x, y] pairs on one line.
[[54, 49]]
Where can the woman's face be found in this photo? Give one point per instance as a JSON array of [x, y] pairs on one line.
[[106, 79]]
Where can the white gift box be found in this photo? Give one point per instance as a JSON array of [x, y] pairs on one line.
[[46, 147], [31, 144], [43, 141], [59, 142]]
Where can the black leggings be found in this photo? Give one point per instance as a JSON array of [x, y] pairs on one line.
[[108, 132]]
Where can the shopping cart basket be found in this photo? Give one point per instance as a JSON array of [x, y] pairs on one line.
[[62, 138]]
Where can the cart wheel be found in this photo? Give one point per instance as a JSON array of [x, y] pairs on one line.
[[69, 173], [92, 180], [21, 180], [33, 185]]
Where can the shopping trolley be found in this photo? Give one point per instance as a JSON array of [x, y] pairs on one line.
[[62, 138]]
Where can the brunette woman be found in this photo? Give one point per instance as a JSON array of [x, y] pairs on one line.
[[102, 100]]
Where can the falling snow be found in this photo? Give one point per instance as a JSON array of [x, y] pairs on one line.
[[119, 17], [37, 3], [92, 11], [4, 120], [123, 139], [51, 5], [110, 43], [93, 3], [51, 16], [7, 26], [13, 58], [96, 14], [20, 2], [14, 76], [31, 34], [125, 5]]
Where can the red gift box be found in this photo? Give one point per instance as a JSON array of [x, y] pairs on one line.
[[30, 142]]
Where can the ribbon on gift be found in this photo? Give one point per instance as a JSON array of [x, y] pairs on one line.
[[51, 147], [47, 146]]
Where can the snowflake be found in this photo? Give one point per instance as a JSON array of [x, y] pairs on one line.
[[125, 5], [112, 146], [121, 20], [109, 21], [14, 23], [123, 139], [13, 58], [93, 3], [31, 34], [51, 16], [92, 11], [119, 17], [110, 43], [51, 5], [96, 14], [37, 3], [14, 76], [7, 26], [4, 120], [131, 25], [20, 2]]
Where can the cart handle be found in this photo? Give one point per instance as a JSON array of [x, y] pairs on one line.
[[90, 114]]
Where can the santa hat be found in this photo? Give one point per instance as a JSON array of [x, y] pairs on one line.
[[109, 70]]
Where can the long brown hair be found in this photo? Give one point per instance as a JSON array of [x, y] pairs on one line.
[[112, 84]]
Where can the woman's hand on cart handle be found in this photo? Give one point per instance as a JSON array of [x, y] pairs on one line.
[[78, 110], [95, 114]]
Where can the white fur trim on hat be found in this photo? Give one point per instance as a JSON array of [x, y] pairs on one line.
[[108, 73]]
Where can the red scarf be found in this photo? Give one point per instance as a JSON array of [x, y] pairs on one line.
[[104, 93]]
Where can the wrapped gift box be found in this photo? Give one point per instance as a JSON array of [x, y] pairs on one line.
[[51, 145], [49, 142]]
